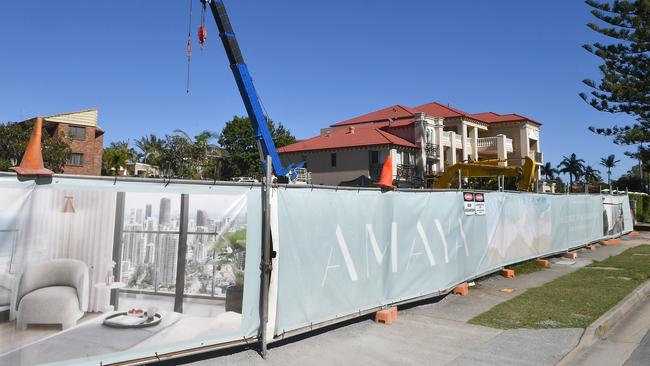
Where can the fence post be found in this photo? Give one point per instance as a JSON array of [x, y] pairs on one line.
[[117, 247], [265, 266], [460, 180], [182, 253]]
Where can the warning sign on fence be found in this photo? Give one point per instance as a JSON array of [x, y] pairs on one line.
[[479, 204], [469, 205]]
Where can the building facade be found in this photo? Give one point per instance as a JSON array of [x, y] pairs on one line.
[[86, 140], [421, 141]]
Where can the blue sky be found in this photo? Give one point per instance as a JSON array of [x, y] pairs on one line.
[[314, 63]]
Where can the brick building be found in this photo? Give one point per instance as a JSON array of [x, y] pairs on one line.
[[85, 136]]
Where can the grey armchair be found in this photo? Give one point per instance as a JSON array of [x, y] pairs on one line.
[[52, 292]]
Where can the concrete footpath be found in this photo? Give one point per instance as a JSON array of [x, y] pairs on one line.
[[438, 333]]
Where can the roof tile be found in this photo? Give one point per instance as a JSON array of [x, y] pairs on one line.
[[354, 136]]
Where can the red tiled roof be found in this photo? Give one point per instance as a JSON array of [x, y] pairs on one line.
[[344, 138], [395, 112], [436, 109], [491, 117]]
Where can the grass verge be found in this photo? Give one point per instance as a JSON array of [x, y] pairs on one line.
[[526, 267], [520, 269], [575, 300]]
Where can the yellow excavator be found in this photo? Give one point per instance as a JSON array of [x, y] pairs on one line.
[[490, 168]]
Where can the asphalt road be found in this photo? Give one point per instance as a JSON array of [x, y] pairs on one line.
[[641, 355]]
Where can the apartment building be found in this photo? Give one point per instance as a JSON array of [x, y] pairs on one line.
[[421, 141], [85, 136]]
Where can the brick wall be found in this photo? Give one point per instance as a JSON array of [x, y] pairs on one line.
[[91, 148]]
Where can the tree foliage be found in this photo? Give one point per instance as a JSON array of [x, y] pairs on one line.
[[629, 181], [238, 140], [208, 155], [572, 166], [177, 155], [625, 83], [609, 162], [592, 175], [150, 148], [548, 171], [116, 157], [13, 142], [181, 156]]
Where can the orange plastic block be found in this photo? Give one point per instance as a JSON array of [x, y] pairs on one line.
[[543, 262], [508, 273], [570, 255], [393, 312], [610, 242], [462, 289], [591, 247], [387, 316], [635, 233]]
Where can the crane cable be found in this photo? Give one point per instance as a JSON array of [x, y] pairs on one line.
[[189, 47]]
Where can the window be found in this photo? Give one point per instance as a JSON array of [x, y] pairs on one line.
[[333, 160], [407, 158], [374, 157], [75, 159], [77, 133], [150, 243], [158, 229]]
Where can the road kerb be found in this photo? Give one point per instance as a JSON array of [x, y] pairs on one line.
[[601, 327]]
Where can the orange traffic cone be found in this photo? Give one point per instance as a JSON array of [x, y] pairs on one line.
[[386, 177], [32, 163]]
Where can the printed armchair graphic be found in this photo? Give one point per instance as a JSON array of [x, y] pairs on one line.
[[52, 292]]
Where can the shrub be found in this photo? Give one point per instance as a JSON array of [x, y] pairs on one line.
[[642, 207]]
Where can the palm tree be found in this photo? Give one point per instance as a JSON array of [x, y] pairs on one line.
[[609, 163], [592, 175], [548, 171], [150, 147], [573, 166], [116, 157], [200, 158], [203, 138]]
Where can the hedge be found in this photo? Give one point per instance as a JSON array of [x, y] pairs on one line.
[[642, 207]]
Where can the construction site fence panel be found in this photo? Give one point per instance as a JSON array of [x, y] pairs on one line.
[[185, 249], [86, 221], [344, 252]]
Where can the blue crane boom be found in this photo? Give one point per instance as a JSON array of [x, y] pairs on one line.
[[263, 137]]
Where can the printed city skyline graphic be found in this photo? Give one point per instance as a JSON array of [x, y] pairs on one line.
[[216, 242]]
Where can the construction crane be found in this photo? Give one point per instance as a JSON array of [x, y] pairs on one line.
[[526, 173], [263, 138]]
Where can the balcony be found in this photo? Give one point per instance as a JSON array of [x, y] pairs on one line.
[[489, 144], [537, 156], [431, 150], [406, 172], [459, 140]]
